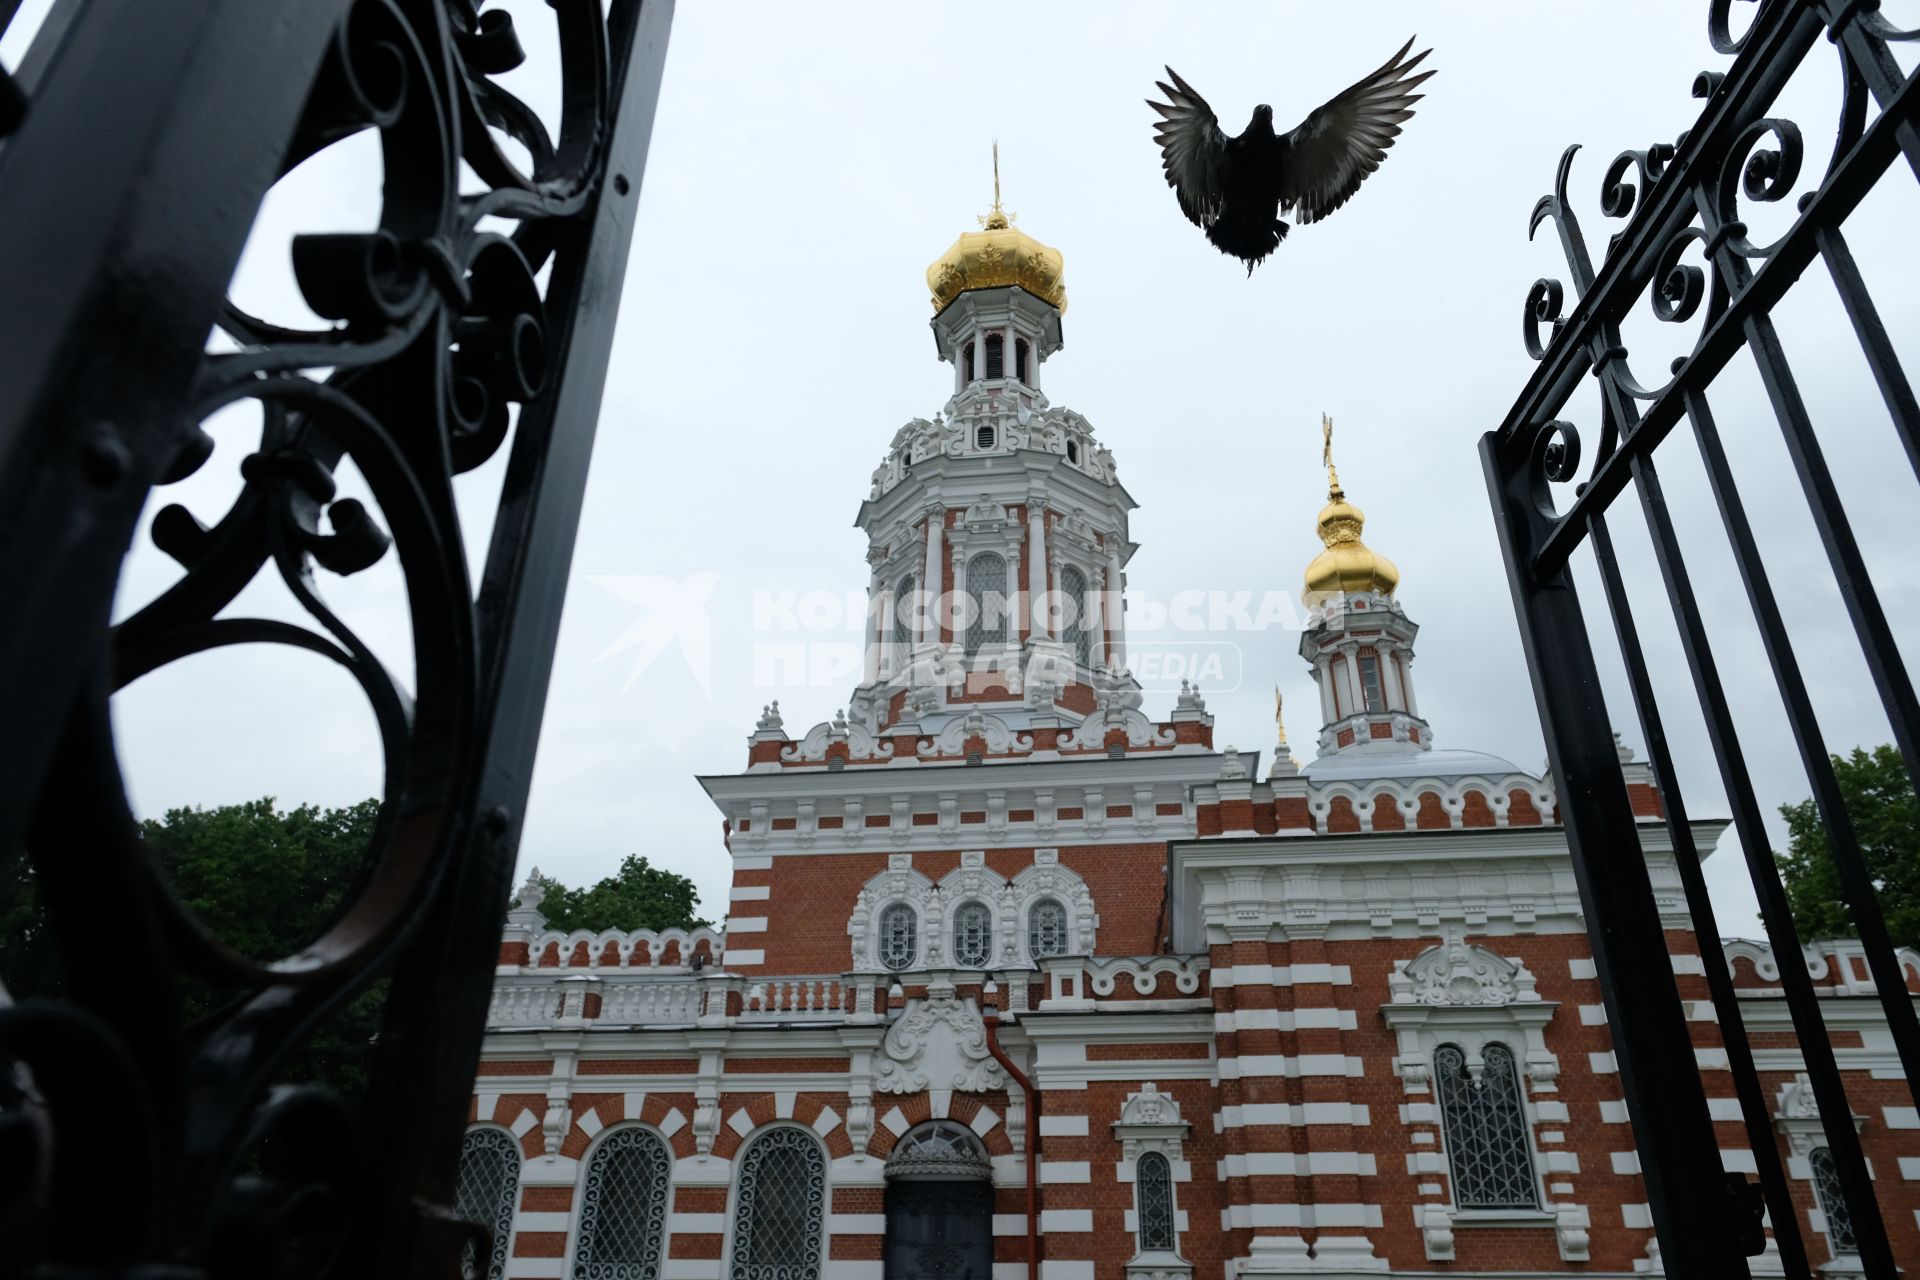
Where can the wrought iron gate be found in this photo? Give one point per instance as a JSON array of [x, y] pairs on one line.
[[137, 141], [1679, 203]]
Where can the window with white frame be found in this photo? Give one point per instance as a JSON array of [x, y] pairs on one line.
[[623, 1208], [1484, 1124], [899, 936], [484, 1193], [1470, 1025], [779, 1215], [1833, 1202], [1046, 929], [973, 934], [1151, 1135], [987, 601]]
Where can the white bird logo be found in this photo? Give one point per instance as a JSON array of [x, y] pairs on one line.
[[676, 610]]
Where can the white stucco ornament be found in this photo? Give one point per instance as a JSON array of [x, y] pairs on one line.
[[1459, 973], [940, 1042]]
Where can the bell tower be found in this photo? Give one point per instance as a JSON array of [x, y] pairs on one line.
[[997, 528], [1359, 640]]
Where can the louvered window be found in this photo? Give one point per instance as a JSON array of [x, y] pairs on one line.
[[967, 358], [1370, 681], [1073, 451], [1486, 1130], [1153, 1203], [1833, 1202], [973, 934], [483, 1193], [1020, 354], [903, 615], [1046, 929], [623, 1211], [996, 356], [987, 589], [1079, 632], [899, 936], [781, 1211]]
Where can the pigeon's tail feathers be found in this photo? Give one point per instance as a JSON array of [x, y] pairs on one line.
[[1250, 242]]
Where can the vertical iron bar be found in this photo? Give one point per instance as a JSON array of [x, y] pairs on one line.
[[521, 595], [1816, 1048], [1874, 343], [1856, 883], [1754, 1110], [1693, 1208]]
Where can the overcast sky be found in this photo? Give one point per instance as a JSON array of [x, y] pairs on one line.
[[809, 161]]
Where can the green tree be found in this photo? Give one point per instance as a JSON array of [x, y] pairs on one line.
[[638, 896], [1880, 803], [266, 880], [262, 880]]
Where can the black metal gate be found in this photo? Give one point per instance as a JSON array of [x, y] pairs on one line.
[[1680, 203], [137, 141]]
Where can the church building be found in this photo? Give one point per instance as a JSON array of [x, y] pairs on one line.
[[1024, 978]]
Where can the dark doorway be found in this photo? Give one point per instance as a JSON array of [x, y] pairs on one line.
[[939, 1206]]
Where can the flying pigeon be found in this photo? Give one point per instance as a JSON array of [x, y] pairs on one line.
[[1234, 189]]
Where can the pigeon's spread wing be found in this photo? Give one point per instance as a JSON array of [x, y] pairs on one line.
[[1193, 151], [1343, 141]]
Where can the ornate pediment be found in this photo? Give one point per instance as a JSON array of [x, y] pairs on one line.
[[1459, 974], [940, 1042]]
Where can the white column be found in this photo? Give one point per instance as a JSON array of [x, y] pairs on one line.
[[1356, 697], [876, 628], [1037, 569], [1404, 665], [1390, 686], [1090, 612], [1329, 708], [930, 584], [979, 353], [1116, 605]]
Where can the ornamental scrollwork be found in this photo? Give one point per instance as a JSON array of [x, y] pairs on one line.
[[469, 322]]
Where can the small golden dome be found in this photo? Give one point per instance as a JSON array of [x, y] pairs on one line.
[[997, 255], [1347, 565]]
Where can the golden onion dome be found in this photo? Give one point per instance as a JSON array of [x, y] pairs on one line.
[[998, 255], [1347, 565]]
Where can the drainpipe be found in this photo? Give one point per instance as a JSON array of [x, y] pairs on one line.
[[992, 1021]]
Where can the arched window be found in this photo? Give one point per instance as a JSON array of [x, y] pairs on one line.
[[899, 936], [1020, 351], [903, 614], [1833, 1202], [1073, 451], [780, 1214], [967, 360], [1046, 929], [483, 1193], [987, 587], [1485, 1125], [973, 934], [1079, 628], [996, 356], [1153, 1203], [623, 1212]]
